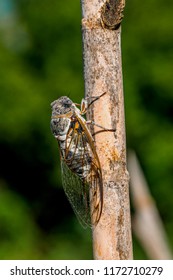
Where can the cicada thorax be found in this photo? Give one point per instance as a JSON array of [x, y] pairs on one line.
[[60, 127]]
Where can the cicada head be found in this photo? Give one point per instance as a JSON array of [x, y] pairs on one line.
[[62, 106], [62, 110]]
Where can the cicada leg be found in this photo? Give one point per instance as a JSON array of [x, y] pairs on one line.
[[95, 98], [85, 105], [103, 128]]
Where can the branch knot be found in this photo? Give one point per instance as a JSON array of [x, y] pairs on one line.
[[112, 14]]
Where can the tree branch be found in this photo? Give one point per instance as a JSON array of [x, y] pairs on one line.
[[103, 73]]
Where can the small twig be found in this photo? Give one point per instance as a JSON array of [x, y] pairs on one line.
[[147, 224]]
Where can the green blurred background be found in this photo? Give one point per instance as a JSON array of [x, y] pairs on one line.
[[41, 60]]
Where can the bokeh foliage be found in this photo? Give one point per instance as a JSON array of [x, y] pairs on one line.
[[41, 60]]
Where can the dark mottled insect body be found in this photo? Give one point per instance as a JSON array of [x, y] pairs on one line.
[[112, 13], [81, 171]]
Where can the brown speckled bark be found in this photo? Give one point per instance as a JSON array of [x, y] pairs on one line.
[[103, 73]]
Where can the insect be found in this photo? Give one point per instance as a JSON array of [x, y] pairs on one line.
[[80, 165]]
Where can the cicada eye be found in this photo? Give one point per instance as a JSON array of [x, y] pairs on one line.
[[67, 103]]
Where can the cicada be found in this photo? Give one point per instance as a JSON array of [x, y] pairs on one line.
[[80, 165]]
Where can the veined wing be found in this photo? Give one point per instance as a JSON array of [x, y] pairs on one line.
[[81, 174], [77, 192]]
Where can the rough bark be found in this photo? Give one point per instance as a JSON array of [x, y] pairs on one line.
[[103, 73]]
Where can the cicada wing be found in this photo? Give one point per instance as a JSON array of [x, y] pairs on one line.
[[81, 174], [77, 192], [96, 193], [94, 178]]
